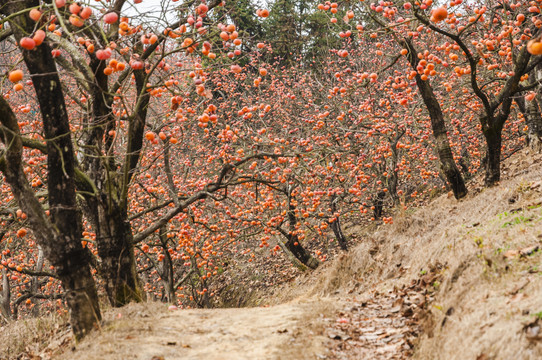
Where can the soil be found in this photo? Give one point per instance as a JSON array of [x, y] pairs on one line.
[[236, 333]]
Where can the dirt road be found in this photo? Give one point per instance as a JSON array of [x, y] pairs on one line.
[[287, 331]]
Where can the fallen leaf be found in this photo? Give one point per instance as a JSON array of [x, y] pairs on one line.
[[510, 254], [528, 250], [532, 331], [517, 288]]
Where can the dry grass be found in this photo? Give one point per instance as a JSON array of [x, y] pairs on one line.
[[489, 298], [30, 336]]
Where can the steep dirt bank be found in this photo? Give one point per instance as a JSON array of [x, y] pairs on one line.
[[479, 260]]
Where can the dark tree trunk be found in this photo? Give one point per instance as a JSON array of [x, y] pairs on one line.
[[444, 151], [166, 271], [293, 243], [106, 207], [378, 204], [118, 267], [59, 234], [438, 125], [336, 225], [493, 156]]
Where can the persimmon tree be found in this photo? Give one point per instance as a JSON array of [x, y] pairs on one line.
[[114, 75], [485, 42], [59, 230]]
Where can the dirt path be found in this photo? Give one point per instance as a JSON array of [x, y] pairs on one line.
[[316, 328], [288, 331]]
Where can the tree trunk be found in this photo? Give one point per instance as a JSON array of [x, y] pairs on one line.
[[493, 156], [106, 205], [438, 125], [444, 151], [336, 225], [115, 248], [166, 272], [35, 281], [378, 204], [533, 120], [5, 300], [293, 243], [393, 178], [59, 234]]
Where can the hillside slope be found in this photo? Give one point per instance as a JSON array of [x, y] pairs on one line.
[[452, 280], [480, 262]]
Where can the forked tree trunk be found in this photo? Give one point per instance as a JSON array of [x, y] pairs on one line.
[[106, 207], [60, 234], [293, 244]]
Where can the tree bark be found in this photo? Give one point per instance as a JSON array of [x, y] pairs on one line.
[[378, 204], [106, 208], [115, 248], [493, 156], [438, 125], [59, 234], [336, 225], [35, 281], [293, 244], [5, 300], [533, 120], [166, 271]]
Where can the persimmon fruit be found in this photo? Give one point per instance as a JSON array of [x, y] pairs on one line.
[[28, 43], [34, 14], [15, 76], [534, 47], [439, 14]]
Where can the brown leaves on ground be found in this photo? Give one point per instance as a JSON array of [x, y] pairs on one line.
[[387, 325]]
